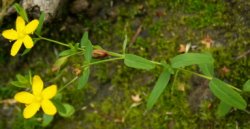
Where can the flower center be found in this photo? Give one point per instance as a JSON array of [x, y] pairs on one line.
[[21, 35], [38, 98]]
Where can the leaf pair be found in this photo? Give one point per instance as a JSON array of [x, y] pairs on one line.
[[87, 45], [228, 96], [22, 81], [138, 62], [224, 107], [205, 61], [64, 110]]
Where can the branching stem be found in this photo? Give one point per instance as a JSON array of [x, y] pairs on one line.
[[70, 82], [54, 41], [102, 61], [120, 57]]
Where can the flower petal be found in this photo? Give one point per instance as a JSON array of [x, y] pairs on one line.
[[48, 107], [31, 27], [37, 85], [15, 47], [49, 92], [24, 97], [31, 110], [28, 42], [10, 34], [20, 24]]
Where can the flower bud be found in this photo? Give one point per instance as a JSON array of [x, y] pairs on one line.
[[99, 53]]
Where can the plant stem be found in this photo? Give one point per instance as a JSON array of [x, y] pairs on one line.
[[114, 54], [93, 63], [63, 87], [173, 84], [208, 78], [66, 45], [239, 90], [54, 41], [119, 57], [102, 61], [197, 74], [157, 63]]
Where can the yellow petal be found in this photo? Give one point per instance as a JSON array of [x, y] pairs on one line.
[[15, 47], [31, 110], [48, 107], [31, 27], [49, 92], [28, 42], [10, 34], [20, 24], [37, 85], [24, 97]]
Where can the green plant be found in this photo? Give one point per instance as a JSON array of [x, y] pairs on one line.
[[229, 95]]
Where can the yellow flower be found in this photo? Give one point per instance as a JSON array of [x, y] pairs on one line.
[[38, 98], [21, 34]]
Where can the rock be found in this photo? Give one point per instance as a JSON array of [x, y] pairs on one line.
[[78, 6], [49, 7]]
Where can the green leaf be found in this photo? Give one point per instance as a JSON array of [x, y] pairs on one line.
[[159, 87], [226, 94], [26, 51], [88, 52], [19, 84], [138, 62], [71, 45], [83, 78], [22, 79], [59, 62], [84, 39], [168, 67], [223, 109], [69, 110], [47, 119], [191, 59], [86, 43], [246, 86], [21, 11], [59, 105], [76, 46], [207, 69], [68, 52], [30, 78], [40, 25], [125, 44], [58, 96]]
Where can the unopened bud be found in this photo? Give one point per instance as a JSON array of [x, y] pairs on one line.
[[99, 54]]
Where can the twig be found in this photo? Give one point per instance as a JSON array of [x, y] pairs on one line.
[[243, 54], [138, 31]]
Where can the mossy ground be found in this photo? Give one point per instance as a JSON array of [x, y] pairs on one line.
[[105, 103]]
